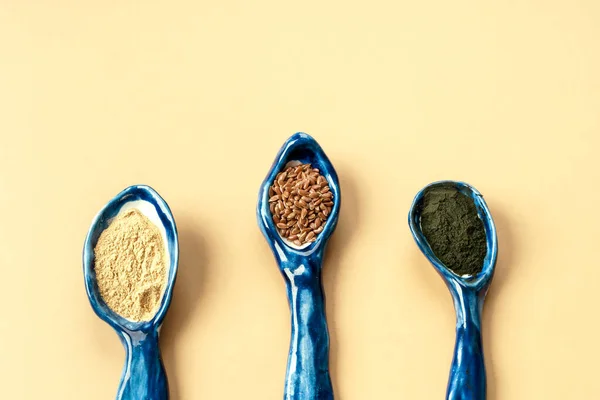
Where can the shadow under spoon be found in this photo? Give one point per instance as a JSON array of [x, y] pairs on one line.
[[307, 376], [143, 375], [467, 374]]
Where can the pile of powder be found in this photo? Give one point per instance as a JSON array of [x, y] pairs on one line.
[[130, 266], [453, 229]]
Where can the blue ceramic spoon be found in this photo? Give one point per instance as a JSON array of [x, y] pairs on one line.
[[143, 376], [467, 374], [307, 376]]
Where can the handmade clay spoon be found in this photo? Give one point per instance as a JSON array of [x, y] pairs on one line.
[[143, 376], [467, 375], [307, 376]]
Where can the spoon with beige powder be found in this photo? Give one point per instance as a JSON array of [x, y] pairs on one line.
[[129, 265]]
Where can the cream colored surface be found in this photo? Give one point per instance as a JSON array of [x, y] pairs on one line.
[[195, 99]]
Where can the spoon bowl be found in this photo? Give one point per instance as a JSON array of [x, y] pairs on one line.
[[483, 278], [143, 376], [300, 148], [307, 376], [467, 376]]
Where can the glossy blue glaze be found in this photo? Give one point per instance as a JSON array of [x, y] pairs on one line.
[[143, 376], [467, 374], [307, 376]]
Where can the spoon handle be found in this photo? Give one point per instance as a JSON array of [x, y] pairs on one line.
[[467, 374], [144, 375], [307, 376]]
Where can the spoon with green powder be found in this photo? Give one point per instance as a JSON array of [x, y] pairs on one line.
[[135, 301], [453, 227]]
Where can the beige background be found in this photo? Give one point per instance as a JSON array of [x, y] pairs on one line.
[[195, 99]]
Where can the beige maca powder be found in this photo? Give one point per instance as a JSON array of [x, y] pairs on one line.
[[131, 266]]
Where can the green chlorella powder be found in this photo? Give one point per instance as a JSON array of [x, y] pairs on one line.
[[455, 233]]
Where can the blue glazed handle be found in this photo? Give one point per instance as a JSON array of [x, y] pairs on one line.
[[307, 376], [144, 375], [467, 374]]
